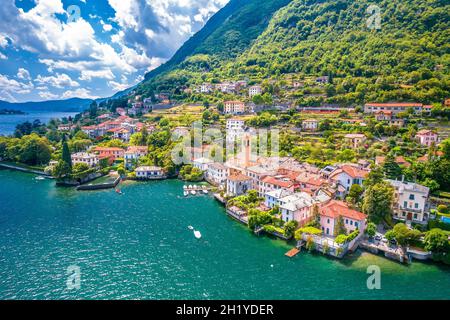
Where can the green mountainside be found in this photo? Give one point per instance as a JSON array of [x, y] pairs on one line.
[[406, 59]]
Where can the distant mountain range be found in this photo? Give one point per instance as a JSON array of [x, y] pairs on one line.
[[70, 105]]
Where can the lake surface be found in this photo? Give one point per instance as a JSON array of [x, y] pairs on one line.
[[8, 123], [138, 246]]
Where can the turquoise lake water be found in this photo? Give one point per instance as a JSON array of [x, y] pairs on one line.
[[138, 246], [8, 123]]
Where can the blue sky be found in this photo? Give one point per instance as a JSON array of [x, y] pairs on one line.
[[59, 49]]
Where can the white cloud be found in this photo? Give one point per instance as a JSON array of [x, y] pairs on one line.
[[23, 74], [116, 86], [166, 24], [61, 80], [10, 87], [46, 95], [88, 75], [106, 26], [3, 41], [78, 93], [143, 34], [62, 45], [7, 96]]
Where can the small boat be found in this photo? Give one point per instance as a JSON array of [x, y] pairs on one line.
[[118, 191], [193, 192], [40, 178], [185, 187], [190, 187], [205, 191], [186, 193], [197, 234], [191, 228]]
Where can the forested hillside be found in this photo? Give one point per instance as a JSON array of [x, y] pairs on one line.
[[406, 59]]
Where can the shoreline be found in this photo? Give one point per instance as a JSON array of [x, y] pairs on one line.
[[234, 220], [26, 170]]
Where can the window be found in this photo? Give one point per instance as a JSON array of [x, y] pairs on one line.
[[328, 220], [416, 205], [357, 224], [415, 216], [346, 221], [411, 197], [405, 204], [351, 222]]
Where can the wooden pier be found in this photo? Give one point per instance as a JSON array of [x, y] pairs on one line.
[[292, 253]]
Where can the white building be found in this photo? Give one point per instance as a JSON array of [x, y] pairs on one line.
[[90, 159], [133, 154], [427, 137], [348, 175], [217, 174], [235, 128], [202, 163], [254, 90], [150, 173], [395, 108], [226, 87], [272, 198], [206, 88], [355, 139], [238, 184], [310, 125], [411, 201], [296, 207]]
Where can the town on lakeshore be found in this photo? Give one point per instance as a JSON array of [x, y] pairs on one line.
[[327, 178]]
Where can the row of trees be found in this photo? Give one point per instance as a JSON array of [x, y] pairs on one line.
[[29, 149]]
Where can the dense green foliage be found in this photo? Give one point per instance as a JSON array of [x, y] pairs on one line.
[[30, 149], [403, 235], [378, 202], [407, 59], [190, 173]]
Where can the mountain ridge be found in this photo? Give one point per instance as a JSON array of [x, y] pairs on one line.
[[407, 59], [68, 105]]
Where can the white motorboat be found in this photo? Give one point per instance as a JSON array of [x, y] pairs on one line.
[[205, 191], [197, 234], [193, 192], [191, 228], [186, 193]]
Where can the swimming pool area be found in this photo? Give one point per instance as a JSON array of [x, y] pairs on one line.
[[445, 219]]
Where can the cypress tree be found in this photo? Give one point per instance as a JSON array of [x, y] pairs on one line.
[[66, 153]]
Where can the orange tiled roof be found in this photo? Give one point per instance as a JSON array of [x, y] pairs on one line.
[[334, 209], [351, 171], [278, 182], [424, 132]]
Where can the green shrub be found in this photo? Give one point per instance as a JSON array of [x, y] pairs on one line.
[[442, 208]]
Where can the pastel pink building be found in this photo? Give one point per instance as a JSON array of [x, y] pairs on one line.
[[330, 213], [427, 137]]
